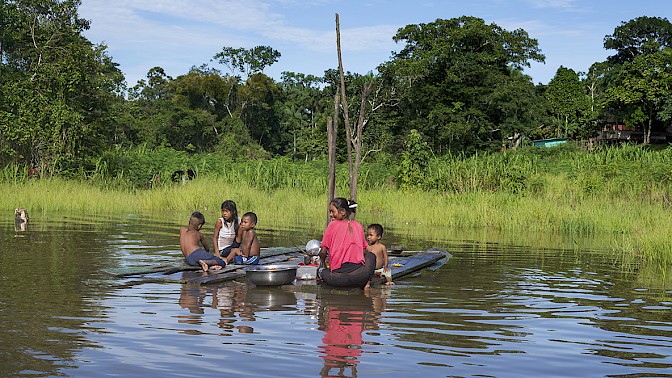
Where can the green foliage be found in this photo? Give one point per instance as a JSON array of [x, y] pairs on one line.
[[564, 192], [248, 61], [640, 75], [458, 82], [642, 35], [568, 103], [56, 89], [414, 161], [446, 70]]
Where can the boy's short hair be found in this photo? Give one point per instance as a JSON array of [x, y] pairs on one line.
[[377, 228], [198, 217], [251, 215]]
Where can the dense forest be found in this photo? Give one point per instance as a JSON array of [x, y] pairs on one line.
[[456, 87]]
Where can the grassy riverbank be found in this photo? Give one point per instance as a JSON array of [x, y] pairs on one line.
[[621, 194]]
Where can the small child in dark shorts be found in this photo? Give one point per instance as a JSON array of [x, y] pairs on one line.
[[194, 247], [248, 251]]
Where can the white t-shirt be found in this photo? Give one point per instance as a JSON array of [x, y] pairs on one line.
[[227, 234]]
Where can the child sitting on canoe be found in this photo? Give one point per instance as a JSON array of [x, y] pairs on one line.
[[249, 251], [194, 247], [373, 235]]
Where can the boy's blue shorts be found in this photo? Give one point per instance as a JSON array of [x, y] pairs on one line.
[[240, 260], [202, 254]]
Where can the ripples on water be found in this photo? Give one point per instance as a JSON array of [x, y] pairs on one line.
[[492, 310]]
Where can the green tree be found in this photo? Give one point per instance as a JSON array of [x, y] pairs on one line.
[[444, 72], [247, 61], [258, 111], [644, 85], [568, 102], [414, 161], [640, 71], [302, 114], [57, 89], [642, 35]]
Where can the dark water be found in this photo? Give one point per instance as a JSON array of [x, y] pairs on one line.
[[494, 309]]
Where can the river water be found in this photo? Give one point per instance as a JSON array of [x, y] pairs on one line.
[[495, 309]]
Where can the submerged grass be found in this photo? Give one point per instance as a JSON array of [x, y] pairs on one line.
[[622, 193]]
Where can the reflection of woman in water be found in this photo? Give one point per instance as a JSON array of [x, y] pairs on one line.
[[343, 318]]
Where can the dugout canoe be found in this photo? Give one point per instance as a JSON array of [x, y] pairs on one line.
[[181, 266], [401, 264]]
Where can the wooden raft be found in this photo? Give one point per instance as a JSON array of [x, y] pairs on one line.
[[182, 266], [231, 272], [407, 264], [412, 263]]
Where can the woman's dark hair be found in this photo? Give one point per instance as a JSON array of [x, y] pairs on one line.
[[231, 207], [341, 203]]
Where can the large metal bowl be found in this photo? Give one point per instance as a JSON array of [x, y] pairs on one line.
[[271, 275]]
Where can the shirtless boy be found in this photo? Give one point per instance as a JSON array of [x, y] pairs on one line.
[[249, 251], [194, 247], [373, 235]]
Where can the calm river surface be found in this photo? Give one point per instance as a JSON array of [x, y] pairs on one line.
[[493, 310]]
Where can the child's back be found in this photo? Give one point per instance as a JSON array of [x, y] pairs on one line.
[[373, 235], [380, 251]]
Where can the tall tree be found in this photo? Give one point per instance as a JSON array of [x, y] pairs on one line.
[[642, 35], [445, 70], [644, 85], [302, 113], [567, 101], [56, 88], [641, 69], [247, 61]]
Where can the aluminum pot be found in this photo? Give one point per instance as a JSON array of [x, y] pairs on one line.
[[271, 275]]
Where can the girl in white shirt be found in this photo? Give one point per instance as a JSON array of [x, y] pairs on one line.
[[226, 229]]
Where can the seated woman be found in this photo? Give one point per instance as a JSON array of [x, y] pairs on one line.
[[350, 265]]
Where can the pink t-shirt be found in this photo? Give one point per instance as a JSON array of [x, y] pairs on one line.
[[345, 244]]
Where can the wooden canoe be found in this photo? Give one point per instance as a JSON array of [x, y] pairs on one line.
[[401, 265], [181, 266]]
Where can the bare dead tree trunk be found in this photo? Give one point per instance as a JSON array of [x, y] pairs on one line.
[[332, 131], [366, 91], [346, 116]]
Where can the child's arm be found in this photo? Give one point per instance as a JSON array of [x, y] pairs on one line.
[[204, 243], [246, 243], [215, 237], [255, 249], [386, 261]]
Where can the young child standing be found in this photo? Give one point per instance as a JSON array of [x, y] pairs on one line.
[[373, 235], [226, 230], [194, 247], [248, 253]]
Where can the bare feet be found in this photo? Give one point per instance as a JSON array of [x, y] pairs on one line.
[[204, 265], [389, 283], [216, 267]]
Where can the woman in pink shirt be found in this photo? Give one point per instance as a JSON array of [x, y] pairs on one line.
[[350, 265]]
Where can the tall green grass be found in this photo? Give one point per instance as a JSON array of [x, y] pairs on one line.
[[621, 193]]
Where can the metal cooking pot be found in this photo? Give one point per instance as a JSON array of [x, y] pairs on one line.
[[313, 248], [271, 275]]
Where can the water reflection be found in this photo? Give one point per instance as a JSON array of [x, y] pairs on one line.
[[494, 309], [344, 317]]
